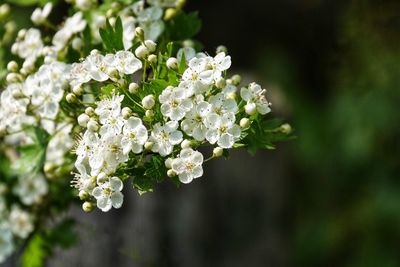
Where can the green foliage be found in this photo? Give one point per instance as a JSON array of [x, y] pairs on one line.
[[42, 244], [32, 156], [184, 26], [31, 2], [112, 37], [263, 134]]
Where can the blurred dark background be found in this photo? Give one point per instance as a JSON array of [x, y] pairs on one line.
[[329, 198]]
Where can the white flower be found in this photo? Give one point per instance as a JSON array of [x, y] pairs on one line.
[[109, 107], [79, 75], [21, 222], [86, 146], [129, 25], [219, 64], [175, 103], [127, 63], [165, 137], [6, 241], [188, 165], [31, 45], [193, 124], [189, 53], [221, 104], [135, 136], [197, 76], [73, 25], [109, 194], [31, 188], [255, 95], [222, 129], [112, 125], [108, 155], [98, 67], [39, 15]]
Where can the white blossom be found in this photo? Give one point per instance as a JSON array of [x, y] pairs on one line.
[[134, 136], [175, 103], [109, 194], [255, 95], [21, 222], [194, 122], [222, 130], [165, 137], [188, 165], [40, 15], [31, 188]]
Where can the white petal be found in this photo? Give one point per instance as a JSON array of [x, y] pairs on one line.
[[117, 198]]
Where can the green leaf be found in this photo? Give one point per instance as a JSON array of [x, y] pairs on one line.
[[35, 252], [32, 156], [63, 234], [112, 37]]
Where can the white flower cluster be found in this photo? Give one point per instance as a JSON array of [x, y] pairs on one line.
[[201, 109]]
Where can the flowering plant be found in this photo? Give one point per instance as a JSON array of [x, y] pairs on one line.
[[121, 85]]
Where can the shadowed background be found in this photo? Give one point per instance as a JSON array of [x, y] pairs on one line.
[[329, 198]]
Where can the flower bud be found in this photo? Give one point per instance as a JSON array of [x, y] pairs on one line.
[[286, 128], [88, 206], [92, 125], [152, 59], [170, 13], [221, 49], [12, 66], [89, 111], [133, 88], [83, 195], [49, 167], [21, 33], [94, 52], [217, 152], [101, 178], [71, 98], [83, 5], [186, 144], [250, 109], [77, 90], [151, 45], [220, 83], [126, 112], [171, 173], [188, 43], [77, 43], [141, 52], [13, 77], [83, 119], [244, 123], [236, 79], [4, 11], [172, 63], [148, 102], [149, 113], [168, 163], [148, 145], [180, 4], [139, 32]]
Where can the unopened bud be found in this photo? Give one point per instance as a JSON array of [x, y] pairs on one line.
[[217, 152], [149, 113], [152, 59], [12, 66], [89, 111], [151, 45], [220, 83], [172, 63], [88, 206], [286, 128], [148, 145], [83, 119], [92, 125], [236, 79], [186, 144], [139, 32], [141, 52], [4, 11], [71, 98], [133, 88], [250, 108], [222, 49], [126, 112], [77, 90], [77, 43], [244, 123], [148, 102], [168, 163], [170, 13], [171, 173], [83, 195]]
